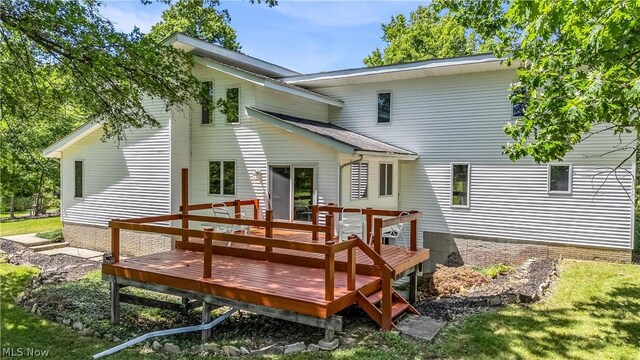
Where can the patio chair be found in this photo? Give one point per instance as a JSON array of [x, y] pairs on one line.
[[221, 210], [395, 232], [351, 223]]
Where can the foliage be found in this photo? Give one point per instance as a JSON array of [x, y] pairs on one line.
[[17, 227], [197, 18], [495, 270], [579, 64], [427, 34], [54, 235]]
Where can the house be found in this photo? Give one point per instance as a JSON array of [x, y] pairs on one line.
[[426, 136]]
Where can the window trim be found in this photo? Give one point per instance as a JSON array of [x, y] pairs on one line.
[[235, 177], [213, 103], [392, 176], [351, 177], [524, 104], [451, 204], [390, 107], [570, 184], [74, 179], [226, 89]]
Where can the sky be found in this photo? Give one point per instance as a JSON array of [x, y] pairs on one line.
[[305, 36]]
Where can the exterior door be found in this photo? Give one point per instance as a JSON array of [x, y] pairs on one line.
[[280, 191]]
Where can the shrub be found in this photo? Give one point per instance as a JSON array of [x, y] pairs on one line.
[[55, 235], [495, 270]]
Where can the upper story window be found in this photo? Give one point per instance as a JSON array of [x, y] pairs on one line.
[[386, 179], [460, 178], [222, 177], [359, 180], [384, 107], [79, 178], [518, 108], [207, 108], [233, 104], [560, 178]]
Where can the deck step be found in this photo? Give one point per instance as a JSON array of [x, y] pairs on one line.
[[375, 297], [49, 246], [398, 309]]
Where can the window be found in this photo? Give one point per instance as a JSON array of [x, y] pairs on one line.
[[460, 185], [78, 179], [359, 180], [233, 104], [207, 108], [386, 179], [560, 178], [520, 97], [222, 177], [384, 107]]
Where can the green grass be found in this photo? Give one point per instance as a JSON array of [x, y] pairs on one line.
[[593, 314], [53, 235], [15, 213], [17, 227], [495, 270]]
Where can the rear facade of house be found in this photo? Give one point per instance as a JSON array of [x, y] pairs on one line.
[[425, 136]]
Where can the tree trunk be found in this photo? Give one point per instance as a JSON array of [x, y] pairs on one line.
[[12, 207]]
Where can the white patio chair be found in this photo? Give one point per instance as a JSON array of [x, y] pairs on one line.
[[351, 223], [221, 210], [395, 232]]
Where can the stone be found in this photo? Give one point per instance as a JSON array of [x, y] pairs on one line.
[[67, 322], [34, 308], [156, 346], [115, 339], [245, 351], [77, 325], [197, 349], [328, 345], [527, 298], [171, 348], [267, 350], [211, 347], [97, 334], [313, 348], [231, 350], [294, 348], [420, 327], [348, 341], [495, 301]]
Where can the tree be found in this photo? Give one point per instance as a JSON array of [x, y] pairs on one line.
[[578, 68], [425, 35], [200, 19]]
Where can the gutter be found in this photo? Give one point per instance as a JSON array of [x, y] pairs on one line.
[[340, 177]]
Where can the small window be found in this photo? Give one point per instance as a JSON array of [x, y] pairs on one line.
[[519, 106], [560, 178], [233, 104], [207, 108], [222, 177], [78, 174], [359, 180], [460, 185], [386, 179], [384, 107]]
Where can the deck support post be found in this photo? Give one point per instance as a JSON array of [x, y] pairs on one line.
[[377, 236], [256, 209], [268, 230], [369, 225], [208, 253], [387, 301], [206, 318], [184, 303], [351, 268], [314, 221], [185, 202], [329, 267], [413, 286], [115, 244], [328, 236], [414, 235], [114, 297]]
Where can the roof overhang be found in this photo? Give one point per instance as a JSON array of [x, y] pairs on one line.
[[268, 83], [392, 155], [55, 150], [415, 70]]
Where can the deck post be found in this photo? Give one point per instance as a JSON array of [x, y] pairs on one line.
[[237, 208], [185, 202], [351, 268], [206, 318], [328, 236], [268, 230], [256, 209], [115, 244], [314, 221], [206, 273], [329, 267], [369, 222], [413, 286], [414, 235], [114, 297], [387, 302], [377, 236]]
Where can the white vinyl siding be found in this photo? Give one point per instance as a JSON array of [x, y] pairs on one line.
[[460, 118], [359, 180]]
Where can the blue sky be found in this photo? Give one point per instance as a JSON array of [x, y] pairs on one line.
[[306, 36]]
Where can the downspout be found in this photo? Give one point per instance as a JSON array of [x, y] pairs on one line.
[[340, 177]]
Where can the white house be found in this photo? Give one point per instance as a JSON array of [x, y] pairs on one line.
[[426, 136]]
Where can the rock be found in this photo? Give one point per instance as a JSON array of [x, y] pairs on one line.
[[87, 332], [420, 327], [313, 348], [170, 348], [156, 346], [77, 325], [67, 322], [115, 339], [294, 348], [34, 308], [244, 351], [197, 349], [267, 350], [495, 301], [527, 298], [348, 340], [231, 350], [97, 334], [328, 345], [211, 347]]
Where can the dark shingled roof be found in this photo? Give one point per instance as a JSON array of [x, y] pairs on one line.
[[345, 136]]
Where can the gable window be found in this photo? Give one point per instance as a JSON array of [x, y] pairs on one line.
[[520, 97], [233, 104], [78, 175], [560, 178], [460, 185], [207, 108], [222, 177], [386, 179], [359, 180], [384, 107]]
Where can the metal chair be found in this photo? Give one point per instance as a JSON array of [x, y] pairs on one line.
[[351, 223], [395, 231], [221, 210]]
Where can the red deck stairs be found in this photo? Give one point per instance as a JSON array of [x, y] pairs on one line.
[[372, 305]]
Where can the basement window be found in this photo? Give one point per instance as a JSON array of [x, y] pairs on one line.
[[560, 178], [460, 178], [207, 108], [384, 107], [79, 178], [233, 105], [386, 179], [359, 180], [222, 177]]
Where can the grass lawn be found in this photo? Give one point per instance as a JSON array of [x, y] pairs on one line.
[[17, 227]]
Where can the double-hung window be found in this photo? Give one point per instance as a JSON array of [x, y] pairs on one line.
[[233, 105], [222, 177], [560, 178], [460, 178], [386, 179], [359, 180], [207, 107], [384, 107], [79, 178]]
